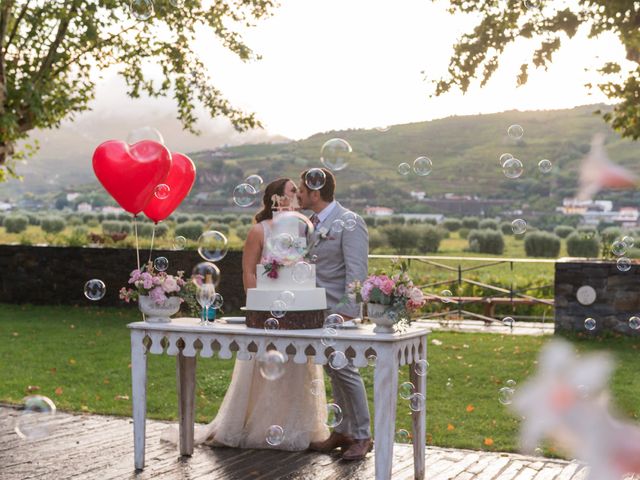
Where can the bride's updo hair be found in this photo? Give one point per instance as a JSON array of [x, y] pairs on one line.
[[274, 188]]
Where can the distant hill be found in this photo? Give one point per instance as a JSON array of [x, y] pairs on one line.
[[464, 151]]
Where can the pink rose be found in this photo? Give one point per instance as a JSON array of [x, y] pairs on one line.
[[135, 276], [157, 295], [170, 285], [147, 280]]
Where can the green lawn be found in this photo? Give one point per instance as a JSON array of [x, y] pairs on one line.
[[79, 357]]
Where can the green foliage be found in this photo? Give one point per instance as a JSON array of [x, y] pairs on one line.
[[368, 219], [16, 223], [478, 52], [88, 217], [463, 233], [397, 220], [78, 236], [429, 238], [246, 219], [470, 222], [542, 244], [377, 239], [506, 228], [182, 218], [402, 239], [581, 245], [199, 218], [2, 217], [74, 220], [452, 224], [114, 226], [33, 218], [488, 223], [228, 219], [220, 227], [381, 221], [563, 231], [486, 241], [146, 230], [242, 231], [52, 224], [190, 230]]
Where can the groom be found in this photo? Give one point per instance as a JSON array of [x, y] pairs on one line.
[[342, 257]]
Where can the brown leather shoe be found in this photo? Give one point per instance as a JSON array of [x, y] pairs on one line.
[[358, 450], [335, 440]]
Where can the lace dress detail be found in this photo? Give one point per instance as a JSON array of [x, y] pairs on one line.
[[252, 404]]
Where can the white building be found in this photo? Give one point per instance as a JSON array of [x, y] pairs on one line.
[[84, 207], [378, 211], [72, 196], [5, 207]]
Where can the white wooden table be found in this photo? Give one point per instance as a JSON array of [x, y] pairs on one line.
[[184, 338]]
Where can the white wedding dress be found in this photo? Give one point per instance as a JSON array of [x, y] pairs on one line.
[[252, 404]]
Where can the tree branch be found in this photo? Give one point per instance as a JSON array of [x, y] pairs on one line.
[[14, 30], [5, 13], [53, 48]]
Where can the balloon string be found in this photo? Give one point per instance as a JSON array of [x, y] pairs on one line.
[[153, 236], [135, 229]]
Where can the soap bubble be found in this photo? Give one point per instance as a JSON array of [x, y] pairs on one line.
[[35, 420], [628, 241], [272, 365], [179, 243], [402, 436], [338, 360], [510, 383], [275, 435], [515, 131], [278, 308], [302, 272], [590, 324], [162, 191], [350, 220], [329, 336], [144, 133], [372, 360], [142, 9], [315, 179], [416, 402], [337, 225], [404, 169], [383, 128], [449, 384], [508, 322], [288, 297], [213, 246], [618, 248], [512, 168], [504, 157], [161, 264], [288, 241], [530, 4], [505, 395], [95, 289], [334, 320], [334, 415], [206, 272], [255, 181], [519, 226], [445, 296], [317, 387], [545, 165], [421, 367], [406, 390], [634, 323], [177, 3], [422, 166], [244, 195], [624, 264], [218, 300], [271, 324], [335, 154]]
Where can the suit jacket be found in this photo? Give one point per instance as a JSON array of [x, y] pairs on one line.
[[342, 257]]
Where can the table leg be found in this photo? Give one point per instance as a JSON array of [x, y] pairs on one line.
[[139, 395], [385, 398], [419, 418], [186, 376]]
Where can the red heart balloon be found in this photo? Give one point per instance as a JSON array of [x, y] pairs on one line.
[[130, 173], [181, 177]]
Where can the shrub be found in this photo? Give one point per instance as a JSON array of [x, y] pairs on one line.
[[87, 217], [93, 223], [33, 219], [414, 221], [563, 231], [109, 216], [486, 241], [101, 217], [506, 228], [242, 231], [183, 218], [542, 244], [124, 216], [74, 220], [463, 233], [190, 230], [246, 219], [382, 221], [488, 223], [397, 220], [369, 220], [221, 227], [146, 230], [470, 222], [610, 234], [228, 219], [79, 236], [114, 226], [377, 239], [430, 221], [429, 238], [580, 245], [452, 224], [52, 224], [16, 223], [200, 218], [2, 217], [402, 239]]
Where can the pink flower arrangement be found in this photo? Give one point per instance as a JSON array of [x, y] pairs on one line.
[[271, 266], [158, 285]]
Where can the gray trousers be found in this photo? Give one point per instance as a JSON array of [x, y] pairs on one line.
[[349, 394]]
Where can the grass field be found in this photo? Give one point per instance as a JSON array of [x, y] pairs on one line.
[[79, 357]]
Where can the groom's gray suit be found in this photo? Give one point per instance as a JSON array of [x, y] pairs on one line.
[[342, 257]]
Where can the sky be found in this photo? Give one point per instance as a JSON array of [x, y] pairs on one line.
[[337, 64]]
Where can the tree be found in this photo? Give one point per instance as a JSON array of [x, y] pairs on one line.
[[50, 51], [476, 54]]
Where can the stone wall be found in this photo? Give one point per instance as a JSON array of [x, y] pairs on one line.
[[56, 275], [617, 296]]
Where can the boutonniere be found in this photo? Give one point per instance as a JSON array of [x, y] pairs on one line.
[[323, 233]]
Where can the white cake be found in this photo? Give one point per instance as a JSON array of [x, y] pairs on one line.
[[287, 240]]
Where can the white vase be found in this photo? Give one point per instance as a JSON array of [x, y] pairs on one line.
[[158, 312], [379, 314]]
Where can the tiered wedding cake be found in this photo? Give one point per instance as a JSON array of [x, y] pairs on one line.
[[284, 279]]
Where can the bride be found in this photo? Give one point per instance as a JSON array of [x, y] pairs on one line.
[[252, 404]]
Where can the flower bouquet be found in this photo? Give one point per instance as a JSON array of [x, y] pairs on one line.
[[390, 298]]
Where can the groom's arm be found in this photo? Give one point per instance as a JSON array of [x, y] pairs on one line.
[[355, 250]]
